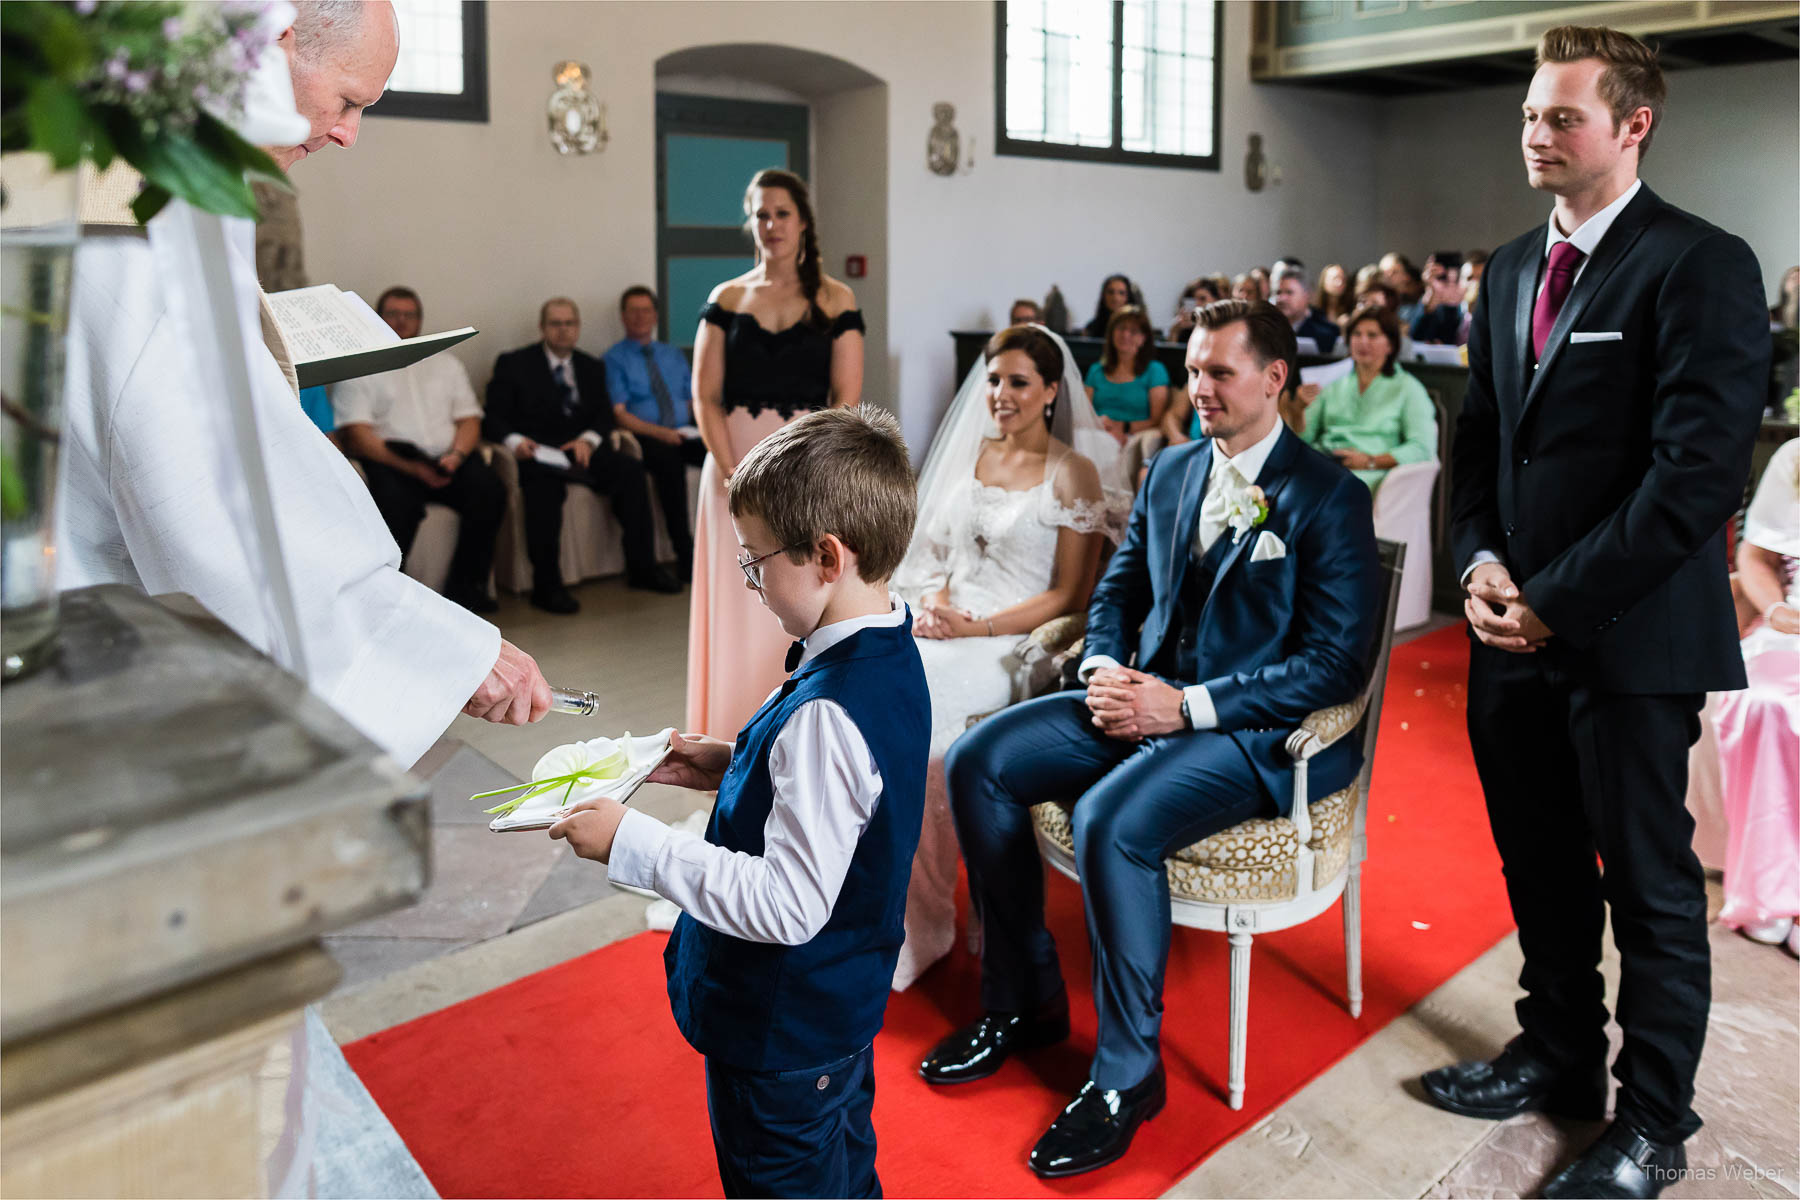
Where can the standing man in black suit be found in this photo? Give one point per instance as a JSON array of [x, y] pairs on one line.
[[550, 394], [1617, 360]]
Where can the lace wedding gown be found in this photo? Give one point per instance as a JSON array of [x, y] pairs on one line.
[[1001, 551]]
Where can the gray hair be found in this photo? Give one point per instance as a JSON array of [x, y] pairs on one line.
[[325, 27], [1286, 271]]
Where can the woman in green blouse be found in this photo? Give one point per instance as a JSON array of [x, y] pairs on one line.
[[1377, 417], [1129, 388]]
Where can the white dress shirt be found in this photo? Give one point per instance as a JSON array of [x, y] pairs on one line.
[[145, 499], [566, 363], [420, 404], [1246, 467], [827, 788], [1584, 239]]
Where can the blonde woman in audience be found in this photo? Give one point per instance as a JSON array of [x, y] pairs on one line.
[[1244, 288], [1758, 728], [1015, 500], [1128, 387], [780, 340], [1377, 417]]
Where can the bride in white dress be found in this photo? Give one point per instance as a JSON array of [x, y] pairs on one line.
[[1016, 496]]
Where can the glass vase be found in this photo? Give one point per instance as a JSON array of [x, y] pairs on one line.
[[39, 225]]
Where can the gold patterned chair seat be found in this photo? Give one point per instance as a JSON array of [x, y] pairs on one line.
[[1248, 863]]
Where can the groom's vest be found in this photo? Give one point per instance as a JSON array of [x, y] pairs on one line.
[[763, 1007], [1178, 656]]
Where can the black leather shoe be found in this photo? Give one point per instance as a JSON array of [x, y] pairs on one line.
[[656, 580], [1517, 1081], [1622, 1163], [555, 600], [977, 1051], [1097, 1127]]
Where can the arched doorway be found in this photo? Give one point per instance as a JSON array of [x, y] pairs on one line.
[[827, 117]]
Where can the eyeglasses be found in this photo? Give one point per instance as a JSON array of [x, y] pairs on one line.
[[752, 567]]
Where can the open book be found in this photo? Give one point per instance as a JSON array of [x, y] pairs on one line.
[[334, 335]]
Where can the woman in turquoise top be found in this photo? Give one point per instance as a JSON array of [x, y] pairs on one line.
[[1377, 417], [1129, 388]]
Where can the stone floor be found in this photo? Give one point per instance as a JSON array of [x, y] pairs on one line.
[[503, 906]]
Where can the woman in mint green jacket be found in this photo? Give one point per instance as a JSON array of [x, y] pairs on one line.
[[1377, 417]]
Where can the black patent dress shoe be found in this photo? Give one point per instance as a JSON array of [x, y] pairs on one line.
[[1623, 1162], [1515, 1082], [978, 1050], [1097, 1127], [555, 600], [656, 580]]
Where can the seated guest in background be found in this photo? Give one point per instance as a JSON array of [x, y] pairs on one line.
[[551, 396], [1442, 318], [1378, 416], [1115, 293], [652, 394], [1474, 263], [1334, 297], [1785, 312], [1759, 756], [1295, 303], [1408, 285], [1195, 296], [414, 430], [1025, 312], [1245, 288], [1129, 388], [316, 404], [1260, 275]]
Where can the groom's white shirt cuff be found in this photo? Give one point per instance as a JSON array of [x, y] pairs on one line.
[[826, 787], [1199, 700], [1481, 556]]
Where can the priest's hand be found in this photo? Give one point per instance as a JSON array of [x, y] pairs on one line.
[[514, 692], [524, 448], [580, 449], [589, 827], [1131, 706], [695, 761]]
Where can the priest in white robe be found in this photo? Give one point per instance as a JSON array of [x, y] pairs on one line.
[[152, 494]]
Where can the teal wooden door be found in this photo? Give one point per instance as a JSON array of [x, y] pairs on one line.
[[707, 149]]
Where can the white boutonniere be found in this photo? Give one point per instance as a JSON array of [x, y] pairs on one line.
[[1244, 511]]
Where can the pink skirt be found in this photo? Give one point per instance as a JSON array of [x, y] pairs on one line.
[[737, 652], [1759, 776]]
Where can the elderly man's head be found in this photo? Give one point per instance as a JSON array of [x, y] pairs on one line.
[[340, 54]]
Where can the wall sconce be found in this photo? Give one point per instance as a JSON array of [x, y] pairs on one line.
[[577, 120]]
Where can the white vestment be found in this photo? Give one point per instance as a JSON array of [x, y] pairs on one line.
[[146, 499]]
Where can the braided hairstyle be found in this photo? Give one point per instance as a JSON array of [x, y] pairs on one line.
[[812, 275]]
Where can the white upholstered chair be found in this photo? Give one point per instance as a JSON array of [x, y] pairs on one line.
[[1403, 514], [1274, 873], [592, 543]]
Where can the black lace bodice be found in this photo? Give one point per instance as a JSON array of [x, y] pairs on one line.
[[788, 372]]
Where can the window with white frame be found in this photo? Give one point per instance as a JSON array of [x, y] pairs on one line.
[[1126, 81], [442, 69]]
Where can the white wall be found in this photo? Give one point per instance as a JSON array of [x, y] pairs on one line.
[[486, 220], [1728, 150]]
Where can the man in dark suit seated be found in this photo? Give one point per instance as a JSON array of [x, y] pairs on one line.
[[551, 395], [1295, 302], [1441, 322], [1247, 591], [1618, 358]]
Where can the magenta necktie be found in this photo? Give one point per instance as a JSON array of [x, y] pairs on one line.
[[1565, 259]]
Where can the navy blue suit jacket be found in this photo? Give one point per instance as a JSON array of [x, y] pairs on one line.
[[1277, 639]]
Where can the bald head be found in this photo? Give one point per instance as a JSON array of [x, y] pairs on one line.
[[340, 54]]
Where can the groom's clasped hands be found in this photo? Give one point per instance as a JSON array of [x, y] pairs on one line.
[[695, 761], [1131, 705]]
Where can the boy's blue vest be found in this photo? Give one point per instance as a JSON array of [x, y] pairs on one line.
[[764, 1007]]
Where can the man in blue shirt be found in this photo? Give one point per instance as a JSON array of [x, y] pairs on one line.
[[652, 393]]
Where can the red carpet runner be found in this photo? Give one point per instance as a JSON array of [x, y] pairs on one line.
[[575, 1082]]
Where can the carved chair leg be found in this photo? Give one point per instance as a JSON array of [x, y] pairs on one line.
[[1240, 1014], [1353, 938]]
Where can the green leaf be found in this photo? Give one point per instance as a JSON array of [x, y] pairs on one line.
[[65, 41], [58, 122], [149, 202], [254, 160], [187, 170]]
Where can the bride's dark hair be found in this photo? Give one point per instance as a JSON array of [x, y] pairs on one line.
[[811, 274], [1045, 355]]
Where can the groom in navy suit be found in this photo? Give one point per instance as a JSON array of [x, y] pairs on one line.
[[1247, 593]]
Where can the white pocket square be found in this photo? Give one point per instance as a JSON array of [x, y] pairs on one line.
[[1579, 338], [1267, 546]]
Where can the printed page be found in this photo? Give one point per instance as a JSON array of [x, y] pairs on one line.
[[318, 323]]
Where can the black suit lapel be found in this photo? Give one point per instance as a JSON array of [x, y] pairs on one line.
[[1626, 228], [1526, 286]]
